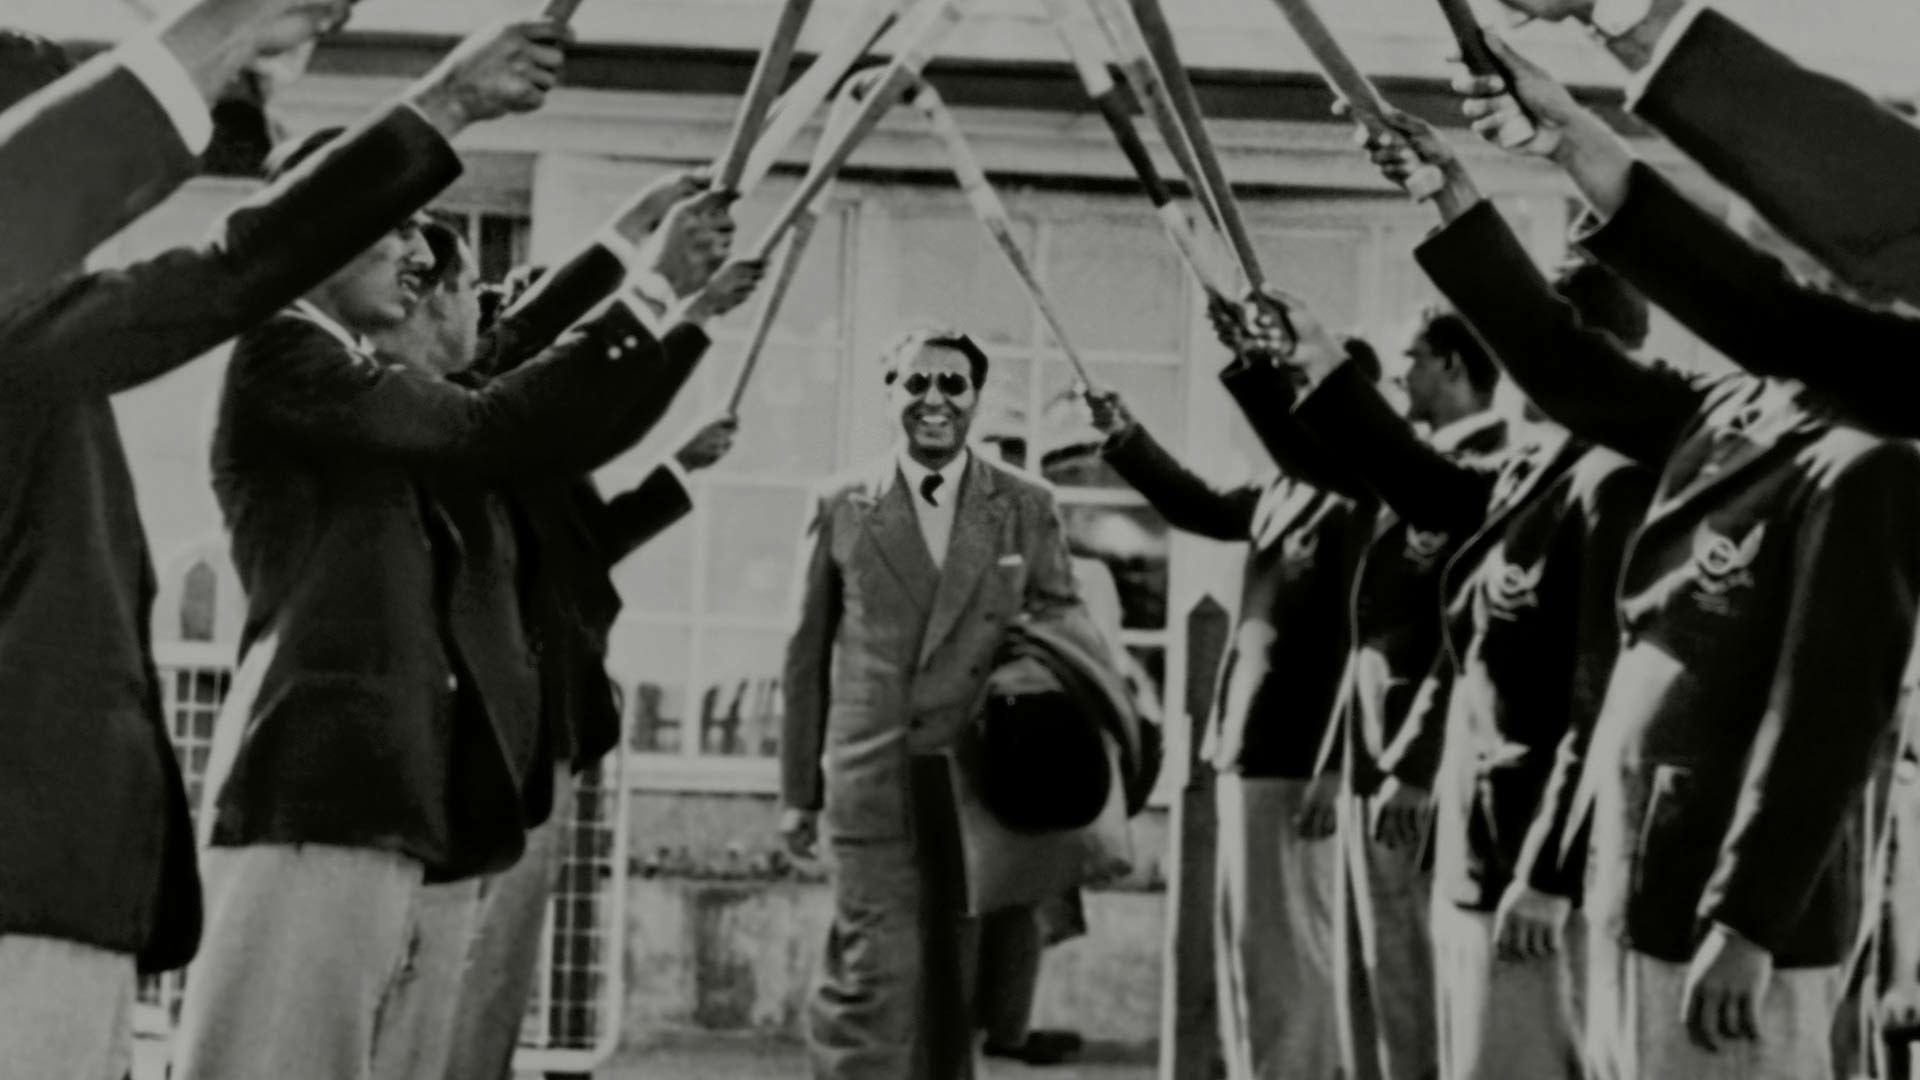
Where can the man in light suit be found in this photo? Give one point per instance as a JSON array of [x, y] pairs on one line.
[[1766, 607], [97, 874], [915, 566], [83, 156], [1812, 153]]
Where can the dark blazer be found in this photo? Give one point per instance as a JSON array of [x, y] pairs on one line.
[[359, 714], [79, 161], [1810, 152], [1745, 304], [1282, 668], [1395, 622], [1528, 636], [95, 844], [1767, 604], [571, 534]]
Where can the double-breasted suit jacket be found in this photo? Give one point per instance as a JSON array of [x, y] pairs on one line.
[[891, 651], [1528, 635], [1282, 667], [1766, 607], [95, 840], [1395, 625], [359, 715], [1810, 152]]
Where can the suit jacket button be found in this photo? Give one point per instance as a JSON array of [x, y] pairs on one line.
[[631, 342], [613, 352], [453, 684]]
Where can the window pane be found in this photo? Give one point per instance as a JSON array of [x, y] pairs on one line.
[[1132, 541], [1118, 285], [1001, 426], [789, 417], [649, 663], [812, 305], [739, 700], [1068, 443], [752, 548], [658, 579], [1322, 267], [948, 271]]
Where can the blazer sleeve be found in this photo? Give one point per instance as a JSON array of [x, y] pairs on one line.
[[806, 679], [1182, 497], [675, 357], [1837, 678], [1579, 376], [295, 387], [79, 161], [1608, 514], [1414, 756], [563, 297], [1422, 485], [633, 518], [1265, 396], [1810, 152], [98, 334], [1747, 305]]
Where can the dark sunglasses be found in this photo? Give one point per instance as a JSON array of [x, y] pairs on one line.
[[951, 383]]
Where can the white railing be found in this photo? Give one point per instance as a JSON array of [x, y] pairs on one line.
[[573, 1018]]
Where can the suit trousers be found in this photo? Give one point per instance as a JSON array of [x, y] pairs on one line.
[[1008, 948], [890, 1000], [1273, 934], [1635, 1030], [322, 963], [1501, 1019], [496, 980], [66, 1010], [1384, 959]]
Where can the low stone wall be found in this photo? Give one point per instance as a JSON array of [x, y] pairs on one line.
[[738, 956]]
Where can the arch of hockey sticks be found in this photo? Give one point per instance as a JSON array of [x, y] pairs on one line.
[[1130, 39]]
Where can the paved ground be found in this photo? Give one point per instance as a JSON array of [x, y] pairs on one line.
[[733, 1059], [721, 1058]]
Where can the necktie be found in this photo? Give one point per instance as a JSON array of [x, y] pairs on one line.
[[930, 485]]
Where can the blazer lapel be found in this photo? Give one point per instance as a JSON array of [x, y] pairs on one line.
[[1754, 444], [896, 534], [1506, 503], [970, 552]]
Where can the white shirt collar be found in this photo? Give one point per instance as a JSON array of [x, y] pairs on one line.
[[1447, 439], [305, 309], [917, 473]]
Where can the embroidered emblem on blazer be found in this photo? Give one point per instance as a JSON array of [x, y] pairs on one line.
[[1721, 564], [1300, 546], [1424, 547], [1511, 589]]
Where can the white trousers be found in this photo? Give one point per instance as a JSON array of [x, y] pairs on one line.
[[1385, 964], [322, 963], [1273, 935], [497, 978], [1505, 1020], [66, 1010], [1635, 1030]]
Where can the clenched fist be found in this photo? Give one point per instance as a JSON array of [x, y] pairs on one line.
[[506, 69]]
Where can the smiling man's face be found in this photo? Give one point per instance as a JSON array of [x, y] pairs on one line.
[[379, 289], [934, 394]]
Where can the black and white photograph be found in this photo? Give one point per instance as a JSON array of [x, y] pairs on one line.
[[959, 540]]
